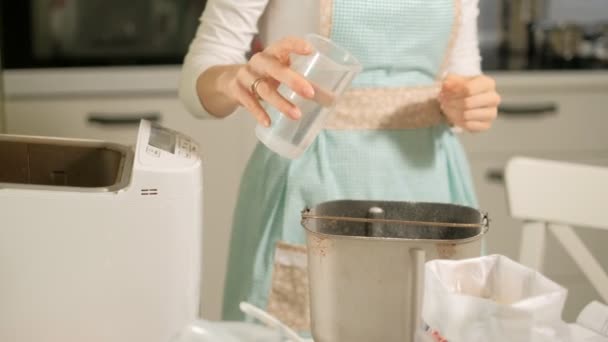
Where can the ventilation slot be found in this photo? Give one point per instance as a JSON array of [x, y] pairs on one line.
[[149, 192]]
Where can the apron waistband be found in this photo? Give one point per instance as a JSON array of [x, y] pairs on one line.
[[387, 108]]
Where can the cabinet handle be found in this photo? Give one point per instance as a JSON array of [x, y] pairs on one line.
[[496, 176], [531, 109], [114, 119]]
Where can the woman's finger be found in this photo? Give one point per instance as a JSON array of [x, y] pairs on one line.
[[481, 114], [288, 45], [267, 65], [479, 85], [455, 88], [484, 100], [252, 104], [269, 93], [266, 88], [477, 126]]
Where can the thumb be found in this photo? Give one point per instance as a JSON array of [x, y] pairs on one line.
[[454, 85]]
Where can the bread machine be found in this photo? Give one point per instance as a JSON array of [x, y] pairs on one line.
[[99, 242]]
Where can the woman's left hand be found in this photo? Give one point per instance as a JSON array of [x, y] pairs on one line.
[[470, 102]]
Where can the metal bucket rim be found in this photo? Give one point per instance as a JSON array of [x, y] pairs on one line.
[[484, 225], [324, 236]]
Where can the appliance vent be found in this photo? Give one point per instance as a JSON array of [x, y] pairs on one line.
[[149, 192]]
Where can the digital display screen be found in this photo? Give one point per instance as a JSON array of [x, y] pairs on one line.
[[163, 139]]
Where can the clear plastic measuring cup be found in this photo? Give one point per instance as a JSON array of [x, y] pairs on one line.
[[330, 69]]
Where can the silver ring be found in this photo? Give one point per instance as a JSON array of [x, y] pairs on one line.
[[254, 87]]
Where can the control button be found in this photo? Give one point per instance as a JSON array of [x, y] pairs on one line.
[[194, 148], [185, 144], [183, 153], [153, 151]]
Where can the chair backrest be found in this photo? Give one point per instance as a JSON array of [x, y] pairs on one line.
[[555, 196], [558, 192]]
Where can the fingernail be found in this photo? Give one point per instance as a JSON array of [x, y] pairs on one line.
[[310, 92], [295, 112], [266, 123]]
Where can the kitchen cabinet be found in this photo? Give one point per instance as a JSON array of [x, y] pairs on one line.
[[559, 116], [93, 117], [546, 112]]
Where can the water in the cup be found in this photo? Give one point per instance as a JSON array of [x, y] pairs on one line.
[[298, 134]]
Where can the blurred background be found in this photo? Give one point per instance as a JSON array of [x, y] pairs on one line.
[[94, 68]]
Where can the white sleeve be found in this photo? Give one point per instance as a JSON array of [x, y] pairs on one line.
[[223, 37], [465, 59]]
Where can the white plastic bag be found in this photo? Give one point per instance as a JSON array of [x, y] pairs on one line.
[[494, 299]]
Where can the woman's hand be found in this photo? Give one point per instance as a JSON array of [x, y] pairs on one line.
[[437, 337], [470, 102], [270, 68]]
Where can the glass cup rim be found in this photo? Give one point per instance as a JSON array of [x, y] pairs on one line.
[[354, 65]]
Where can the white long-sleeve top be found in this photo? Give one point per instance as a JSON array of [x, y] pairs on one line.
[[227, 28]]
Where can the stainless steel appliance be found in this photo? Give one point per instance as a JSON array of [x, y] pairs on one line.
[[366, 261], [58, 33]]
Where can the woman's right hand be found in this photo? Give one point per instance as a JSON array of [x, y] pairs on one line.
[[272, 67]]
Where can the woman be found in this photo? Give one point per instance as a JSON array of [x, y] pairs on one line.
[[390, 137]]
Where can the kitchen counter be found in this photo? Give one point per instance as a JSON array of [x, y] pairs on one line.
[[497, 60]]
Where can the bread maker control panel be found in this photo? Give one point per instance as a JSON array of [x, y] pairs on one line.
[[157, 145]]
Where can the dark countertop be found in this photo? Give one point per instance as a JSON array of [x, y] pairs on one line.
[[494, 59]]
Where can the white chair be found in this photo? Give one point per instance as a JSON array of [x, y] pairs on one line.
[[554, 196]]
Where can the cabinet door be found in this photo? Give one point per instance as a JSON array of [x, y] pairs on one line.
[[109, 118], [537, 119], [505, 232]]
